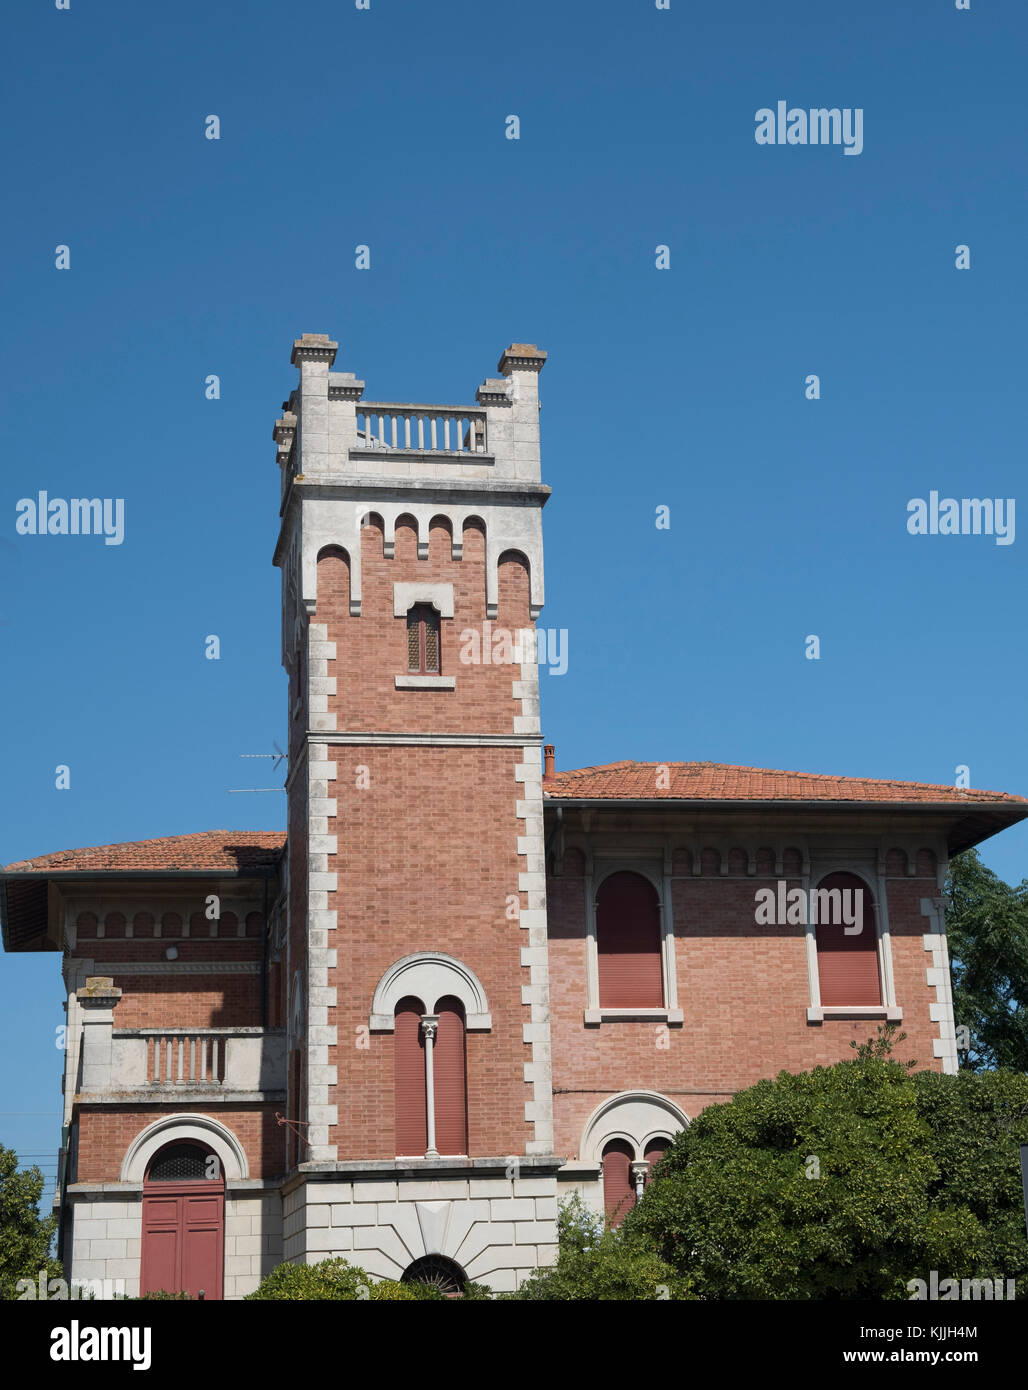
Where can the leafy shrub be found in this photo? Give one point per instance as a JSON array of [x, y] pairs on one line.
[[594, 1263], [337, 1279], [847, 1181]]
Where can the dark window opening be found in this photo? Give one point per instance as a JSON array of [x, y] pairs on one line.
[[423, 640], [178, 1163], [445, 1274]]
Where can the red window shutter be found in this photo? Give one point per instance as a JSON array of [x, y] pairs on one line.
[[847, 966], [628, 943], [409, 1077], [618, 1188], [450, 1078], [655, 1151]]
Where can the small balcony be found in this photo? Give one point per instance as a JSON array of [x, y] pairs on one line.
[[202, 1063]]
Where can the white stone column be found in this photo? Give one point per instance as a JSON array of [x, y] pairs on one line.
[[429, 1025], [640, 1172]]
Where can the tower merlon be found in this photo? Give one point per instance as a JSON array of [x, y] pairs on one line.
[[344, 457]]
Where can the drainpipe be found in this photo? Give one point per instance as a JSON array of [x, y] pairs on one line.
[[553, 833], [264, 959]]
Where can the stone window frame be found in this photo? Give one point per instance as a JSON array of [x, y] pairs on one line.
[[656, 869], [427, 622], [201, 1129], [889, 1010], [619, 1116], [440, 597], [429, 976]]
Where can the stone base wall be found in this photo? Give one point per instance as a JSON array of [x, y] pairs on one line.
[[106, 1240], [253, 1240], [498, 1230]]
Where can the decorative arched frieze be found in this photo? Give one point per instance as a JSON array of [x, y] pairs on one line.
[[429, 976], [638, 1117]]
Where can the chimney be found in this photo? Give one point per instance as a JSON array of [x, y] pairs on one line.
[[549, 768]]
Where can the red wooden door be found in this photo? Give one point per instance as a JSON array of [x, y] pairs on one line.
[[183, 1238]]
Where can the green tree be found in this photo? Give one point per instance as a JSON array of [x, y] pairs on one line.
[[824, 1185], [977, 1123], [597, 1263], [25, 1236], [987, 930]]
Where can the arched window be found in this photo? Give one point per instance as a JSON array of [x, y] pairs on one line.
[[445, 1274], [181, 1163], [628, 943], [423, 639], [450, 1077], [429, 1056], [847, 963], [409, 1072], [618, 1187]]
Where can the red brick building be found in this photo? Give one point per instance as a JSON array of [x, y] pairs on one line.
[[467, 982]]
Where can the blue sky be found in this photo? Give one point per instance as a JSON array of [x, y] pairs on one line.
[[682, 387]]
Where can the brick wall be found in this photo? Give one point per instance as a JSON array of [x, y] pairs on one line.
[[106, 1131], [428, 853], [744, 994]]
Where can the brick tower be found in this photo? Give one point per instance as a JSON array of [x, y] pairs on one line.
[[419, 1071]]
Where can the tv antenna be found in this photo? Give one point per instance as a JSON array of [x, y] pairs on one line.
[[278, 756]]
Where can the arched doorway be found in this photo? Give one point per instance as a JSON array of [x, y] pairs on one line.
[[183, 1222]]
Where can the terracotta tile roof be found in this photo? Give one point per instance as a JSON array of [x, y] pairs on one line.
[[221, 851], [724, 782]]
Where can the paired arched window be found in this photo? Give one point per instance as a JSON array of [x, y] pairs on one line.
[[620, 1179], [628, 943], [430, 1071], [847, 959], [423, 645]]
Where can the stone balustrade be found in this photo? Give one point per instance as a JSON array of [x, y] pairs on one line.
[[209, 1060], [421, 428]]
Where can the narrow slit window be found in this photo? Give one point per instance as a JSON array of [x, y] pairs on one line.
[[423, 640]]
